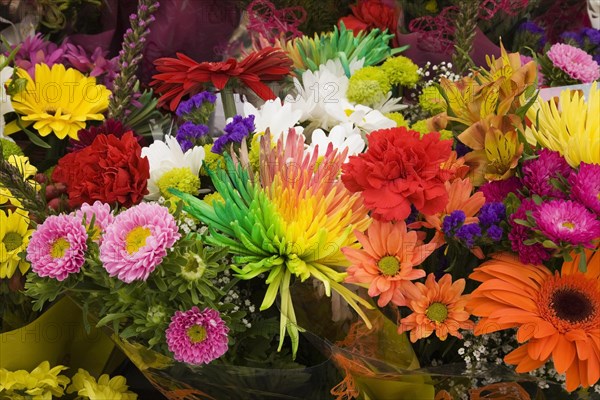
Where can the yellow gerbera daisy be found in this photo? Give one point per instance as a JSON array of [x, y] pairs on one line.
[[14, 238], [572, 127], [59, 101], [27, 170]]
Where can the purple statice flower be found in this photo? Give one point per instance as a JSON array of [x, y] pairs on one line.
[[534, 29], [538, 173], [468, 234], [235, 132], [189, 133], [494, 232], [492, 213], [528, 254], [585, 186], [496, 191], [567, 221], [453, 221], [197, 337], [575, 62], [592, 35], [96, 64], [196, 101], [462, 149], [573, 37], [36, 50]]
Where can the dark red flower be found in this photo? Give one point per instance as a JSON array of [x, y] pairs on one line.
[[109, 127], [371, 14], [182, 76], [400, 169], [111, 170]]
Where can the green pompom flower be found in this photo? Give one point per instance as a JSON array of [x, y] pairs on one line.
[[211, 160], [368, 86], [401, 71], [421, 127], [10, 148], [432, 101], [182, 179]]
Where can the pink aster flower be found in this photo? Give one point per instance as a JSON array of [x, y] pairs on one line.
[[57, 247], [197, 337], [496, 191], [137, 241], [567, 221], [538, 173], [585, 186], [528, 254], [96, 64], [35, 50], [100, 213], [574, 62]]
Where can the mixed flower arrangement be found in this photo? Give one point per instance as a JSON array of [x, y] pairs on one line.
[[451, 220]]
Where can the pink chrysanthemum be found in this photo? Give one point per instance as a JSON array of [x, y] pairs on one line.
[[57, 247], [528, 254], [137, 241], [197, 337], [538, 173], [567, 221], [585, 186], [496, 191], [100, 213], [574, 62]]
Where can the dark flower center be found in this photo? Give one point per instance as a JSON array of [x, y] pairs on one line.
[[572, 305]]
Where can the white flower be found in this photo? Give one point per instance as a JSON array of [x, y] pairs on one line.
[[341, 137], [164, 156], [5, 103], [320, 90], [389, 104], [363, 117], [278, 117]]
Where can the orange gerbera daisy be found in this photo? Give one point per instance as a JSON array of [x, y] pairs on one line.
[[558, 315], [385, 264], [437, 307]]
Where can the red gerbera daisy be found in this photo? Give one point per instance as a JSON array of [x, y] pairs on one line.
[[182, 76]]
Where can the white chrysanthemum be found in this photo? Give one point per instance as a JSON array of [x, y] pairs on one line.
[[321, 90], [390, 104], [363, 117], [341, 136], [278, 117], [164, 156], [5, 103]]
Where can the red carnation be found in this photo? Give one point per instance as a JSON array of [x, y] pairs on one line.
[[400, 169], [111, 170], [182, 75], [371, 14]]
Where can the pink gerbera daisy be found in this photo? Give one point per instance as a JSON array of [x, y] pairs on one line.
[[137, 241], [197, 337], [567, 221], [100, 213], [57, 247]]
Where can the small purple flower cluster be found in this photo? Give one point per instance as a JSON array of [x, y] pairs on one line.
[[195, 112], [235, 131]]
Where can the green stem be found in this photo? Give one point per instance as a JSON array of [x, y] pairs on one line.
[[228, 103]]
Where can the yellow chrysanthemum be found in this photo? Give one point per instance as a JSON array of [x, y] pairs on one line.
[[106, 388], [14, 238], [572, 127], [41, 383], [27, 170], [59, 101]]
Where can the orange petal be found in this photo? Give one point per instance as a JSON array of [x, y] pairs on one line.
[[563, 354]]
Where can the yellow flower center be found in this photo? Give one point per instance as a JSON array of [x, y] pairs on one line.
[[389, 265], [437, 312], [12, 240], [136, 239], [59, 248], [568, 225], [196, 333]]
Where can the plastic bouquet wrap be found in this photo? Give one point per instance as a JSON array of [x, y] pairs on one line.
[[366, 228]]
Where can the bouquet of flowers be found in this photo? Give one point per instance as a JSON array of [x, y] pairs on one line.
[[373, 229]]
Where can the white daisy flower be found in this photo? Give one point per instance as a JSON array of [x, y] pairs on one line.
[[341, 137]]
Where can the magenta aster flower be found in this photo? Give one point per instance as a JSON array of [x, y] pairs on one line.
[[57, 247], [100, 213], [538, 172], [496, 191], [528, 254], [35, 50], [197, 337], [585, 186], [96, 64], [574, 62], [567, 221], [137, 241]]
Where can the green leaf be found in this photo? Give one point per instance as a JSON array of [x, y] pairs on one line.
[[549, 244], [111, 317], [35, 139]]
